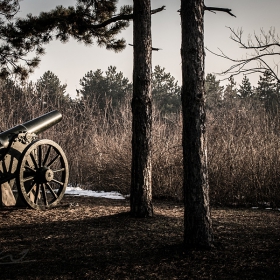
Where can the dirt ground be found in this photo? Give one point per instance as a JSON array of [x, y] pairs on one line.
[[95, 238]]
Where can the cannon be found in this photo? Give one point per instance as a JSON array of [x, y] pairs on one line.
[[33, 172]]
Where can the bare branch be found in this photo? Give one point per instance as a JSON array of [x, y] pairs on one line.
[[262, 43], [263, 46], [213, 9], [157, 10], [153, 49]]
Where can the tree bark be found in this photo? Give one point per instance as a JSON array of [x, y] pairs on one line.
[[141, 170], [198, 226]]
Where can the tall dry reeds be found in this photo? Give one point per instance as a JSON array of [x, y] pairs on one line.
[[243, 147], [244, 155]]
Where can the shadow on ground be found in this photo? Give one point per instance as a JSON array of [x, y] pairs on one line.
[[91, 238]]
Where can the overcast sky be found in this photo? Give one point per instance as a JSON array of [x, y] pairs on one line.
[[71, 61]]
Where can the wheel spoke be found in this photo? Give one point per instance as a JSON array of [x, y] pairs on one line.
[[5, 171], [53, 160], [34, 160], [51, 190], [47, 156], [31, 188], [27, 179], [37, 193], [11, 165], [27, 173], [40, 156], [58, 182], [59, 170], [29, 168], [44, 194]]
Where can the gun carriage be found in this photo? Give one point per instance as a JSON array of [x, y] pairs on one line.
[[33, 172]]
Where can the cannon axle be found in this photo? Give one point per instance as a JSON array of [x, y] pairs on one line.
[[45, 175]]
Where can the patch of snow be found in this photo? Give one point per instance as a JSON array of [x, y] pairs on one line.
[[79, 191], [264, 203]]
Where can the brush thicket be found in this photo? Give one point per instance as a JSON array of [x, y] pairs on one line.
[[243, 147]]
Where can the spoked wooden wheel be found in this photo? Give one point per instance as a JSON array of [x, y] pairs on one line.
[[43, 174]]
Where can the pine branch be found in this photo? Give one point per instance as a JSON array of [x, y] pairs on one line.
[[83, 23], [122, 17]]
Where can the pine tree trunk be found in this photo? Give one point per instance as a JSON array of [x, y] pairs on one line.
[[198, 227], [141, 170]]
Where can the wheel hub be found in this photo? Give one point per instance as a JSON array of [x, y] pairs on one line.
[[45, 174]]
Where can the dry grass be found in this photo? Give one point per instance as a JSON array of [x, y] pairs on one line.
[[243, 147], [244, 156]]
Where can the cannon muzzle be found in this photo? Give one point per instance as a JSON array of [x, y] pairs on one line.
[[36, 126]]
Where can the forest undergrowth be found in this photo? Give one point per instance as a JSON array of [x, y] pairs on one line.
[[243, 146]]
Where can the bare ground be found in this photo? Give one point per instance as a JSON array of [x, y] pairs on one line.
[[94, 238]]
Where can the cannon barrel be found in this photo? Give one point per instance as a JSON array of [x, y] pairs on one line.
[[36, 126]]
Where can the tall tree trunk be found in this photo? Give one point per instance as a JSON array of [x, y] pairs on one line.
[[198, 226], [141, 170]]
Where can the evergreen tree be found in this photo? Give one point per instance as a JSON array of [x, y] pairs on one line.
[[197, 219], [245, 89], [100, 89], [93, 88], [267, 92], [266, 86], [213, 91], [230, 92], [141, 167], [165, 91], [118, 86], [50, 90]]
